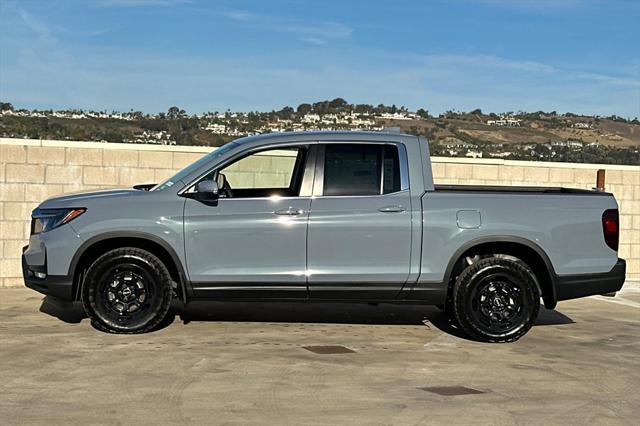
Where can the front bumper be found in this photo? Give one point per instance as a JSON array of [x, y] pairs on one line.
[[575, 286], [52, 285]]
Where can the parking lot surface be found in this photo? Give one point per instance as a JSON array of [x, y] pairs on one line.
[[244, 363]]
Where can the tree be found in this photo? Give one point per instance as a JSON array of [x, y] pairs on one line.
[[337, 103], [423, 113], [303, 109], [285, 112], [6, 106], [363, 108], [174, 113]]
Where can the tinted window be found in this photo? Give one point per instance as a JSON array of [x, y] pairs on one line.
[[361, 169], [391, 174]]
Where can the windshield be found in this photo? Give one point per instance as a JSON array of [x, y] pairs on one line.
[[194, 166]]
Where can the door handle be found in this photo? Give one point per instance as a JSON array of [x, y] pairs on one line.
[[392, 209], [289, 212]]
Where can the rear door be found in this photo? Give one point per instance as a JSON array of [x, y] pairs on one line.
[[359, 236]]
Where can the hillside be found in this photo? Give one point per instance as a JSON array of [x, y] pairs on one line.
[[528, 136]]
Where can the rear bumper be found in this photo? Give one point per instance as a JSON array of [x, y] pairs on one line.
[[52, 285], [575, 286]]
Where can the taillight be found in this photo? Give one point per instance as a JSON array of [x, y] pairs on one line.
[[611, 228]]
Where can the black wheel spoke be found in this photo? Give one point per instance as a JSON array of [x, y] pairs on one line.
[[497, 303], [126, 293], [496, 299]]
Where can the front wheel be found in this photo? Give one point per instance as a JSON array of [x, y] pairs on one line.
[[496, 299], [127, 290]]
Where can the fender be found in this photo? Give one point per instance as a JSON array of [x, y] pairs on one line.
[[550, 299], [182, 277]]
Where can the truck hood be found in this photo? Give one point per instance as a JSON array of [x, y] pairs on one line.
[[78, 199]]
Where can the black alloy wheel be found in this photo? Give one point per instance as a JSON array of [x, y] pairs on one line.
[[127, 290], [496, 299]]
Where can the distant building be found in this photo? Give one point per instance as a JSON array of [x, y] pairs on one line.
[[473, 154], [568, 144], [509, 122], [216, 128], [310, 118], [395, 116]]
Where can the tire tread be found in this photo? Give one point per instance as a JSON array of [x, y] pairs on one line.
[[463, 318], [166, 290]]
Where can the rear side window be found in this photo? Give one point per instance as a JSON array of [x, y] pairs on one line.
[[361, 169]]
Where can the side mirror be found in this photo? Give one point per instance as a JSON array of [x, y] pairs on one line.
[[207, 190], [221, 180]]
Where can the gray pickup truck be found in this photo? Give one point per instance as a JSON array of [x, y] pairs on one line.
[[341, 216]]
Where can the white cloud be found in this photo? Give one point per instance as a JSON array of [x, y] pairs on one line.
[[537, 5], [36, 26], [489, 61], [313, 32], [140, 3], [239, 15]]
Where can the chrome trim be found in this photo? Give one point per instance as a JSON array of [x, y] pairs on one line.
[[393, 209], [290, 211]]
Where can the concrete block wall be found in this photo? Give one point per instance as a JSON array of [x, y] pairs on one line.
[[33, 170]]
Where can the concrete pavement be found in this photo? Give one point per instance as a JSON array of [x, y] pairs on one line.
[[241, 363]]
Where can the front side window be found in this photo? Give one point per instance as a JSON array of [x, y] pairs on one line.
[[274, 172], [361, 169]]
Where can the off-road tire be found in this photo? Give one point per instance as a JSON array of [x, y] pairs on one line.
[[113, 266], [504, 280]]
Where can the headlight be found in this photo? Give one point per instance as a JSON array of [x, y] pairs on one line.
[[43, 220]]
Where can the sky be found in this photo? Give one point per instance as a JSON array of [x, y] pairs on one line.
[[580, 56]]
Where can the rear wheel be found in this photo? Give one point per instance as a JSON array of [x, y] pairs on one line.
[[127, 290], [496, 299]]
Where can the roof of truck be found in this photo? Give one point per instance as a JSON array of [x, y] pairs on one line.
[[284, 137]]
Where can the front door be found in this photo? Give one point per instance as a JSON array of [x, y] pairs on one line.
[[359, 242], [252, 241]]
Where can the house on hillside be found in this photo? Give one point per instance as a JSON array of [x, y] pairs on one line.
[[508, 121], [568, 144], [394, 116], [310, 118], [473, 154]]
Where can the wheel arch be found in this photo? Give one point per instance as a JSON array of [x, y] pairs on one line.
[[522, 248], [94, 247]]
